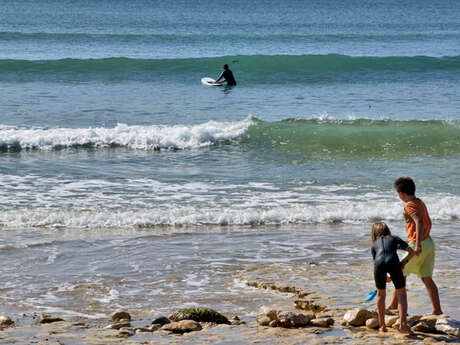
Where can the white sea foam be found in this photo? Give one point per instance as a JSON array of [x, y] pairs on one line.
[[442, 209], [133, 137]]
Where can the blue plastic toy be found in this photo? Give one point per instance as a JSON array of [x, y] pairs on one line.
[[371, 296]]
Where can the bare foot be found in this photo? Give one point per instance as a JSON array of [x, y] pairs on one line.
[[392, 307], [406, 331], [434, 313], [383, 329]]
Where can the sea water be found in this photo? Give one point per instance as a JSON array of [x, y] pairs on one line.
[[124, 182]]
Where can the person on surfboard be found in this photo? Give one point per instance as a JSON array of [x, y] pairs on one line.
[[227, 75]]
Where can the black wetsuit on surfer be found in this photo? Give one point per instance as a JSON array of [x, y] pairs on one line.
[[227, 74]]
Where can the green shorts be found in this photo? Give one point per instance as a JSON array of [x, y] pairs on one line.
[[423, 264]]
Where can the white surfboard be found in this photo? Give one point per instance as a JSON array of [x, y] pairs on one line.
[[209, 82]]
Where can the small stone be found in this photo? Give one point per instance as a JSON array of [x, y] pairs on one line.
[[432, 319], [5, 321], [424, 327], [119, 325], [306, 304], [286, 315], [448, 326], [286, 323], [390, 320], [125, 332], [142, 330], [322, 322], [372, 323], [182, 326], [358, 316], [301, 320], [45, 318], [161, 320], [120, 315], [272, 314], [236, 321], [154, 327], [413, 319], [263, 320], [252, 283], [274, 323], [200, 315]]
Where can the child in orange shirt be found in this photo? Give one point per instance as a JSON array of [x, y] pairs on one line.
[[418, 226]]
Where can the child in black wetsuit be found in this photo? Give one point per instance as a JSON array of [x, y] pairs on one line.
[[386, 261]]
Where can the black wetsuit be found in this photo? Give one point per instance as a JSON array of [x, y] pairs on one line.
[[386, 260], [229, 78]]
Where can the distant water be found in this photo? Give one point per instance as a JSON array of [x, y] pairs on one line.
[[110, 144]]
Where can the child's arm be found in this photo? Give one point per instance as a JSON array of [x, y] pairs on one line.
[[419, 227], [407, 258]]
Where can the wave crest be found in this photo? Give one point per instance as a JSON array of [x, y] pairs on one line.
[[442, 210], [133, 137]]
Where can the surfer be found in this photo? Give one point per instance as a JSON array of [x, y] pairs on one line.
[[227, 75]]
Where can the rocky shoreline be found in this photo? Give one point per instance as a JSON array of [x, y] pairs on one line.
[[310, 319]]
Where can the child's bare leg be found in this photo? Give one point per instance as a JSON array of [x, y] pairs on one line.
[[381, 294], [433, 294], [394, 300], [402, 308]]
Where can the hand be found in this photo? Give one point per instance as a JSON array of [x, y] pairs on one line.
[[403, 263], [418, 250]]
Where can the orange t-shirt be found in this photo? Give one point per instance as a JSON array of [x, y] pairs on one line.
[[410, 208]]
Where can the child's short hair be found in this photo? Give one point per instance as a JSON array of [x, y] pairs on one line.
[[405, 185], [379, 229]]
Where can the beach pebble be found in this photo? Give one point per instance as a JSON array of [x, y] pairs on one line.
[[5, 320], [432, 319], [200, 315], [285, 315], [448, 326], [274, 323], [119, 325], [45, 318], [143, 329], [272, 314], [125, 332], [390, 320], [120, 315], [424, 327], [358, 316], [301, 320], [322, 322], [411, 320], [286, 323], [182, 326], [263, 320], [236, 321], [160, 320], [308, 304], [154, 327], [372, 323]]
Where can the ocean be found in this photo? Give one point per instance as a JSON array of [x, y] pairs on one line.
[[126, 183]]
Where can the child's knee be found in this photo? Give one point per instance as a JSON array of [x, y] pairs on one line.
[[401, 291]]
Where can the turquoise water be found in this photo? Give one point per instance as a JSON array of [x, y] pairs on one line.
[[106, 133]]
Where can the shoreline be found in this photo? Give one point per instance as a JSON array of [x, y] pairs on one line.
[[78, 330]]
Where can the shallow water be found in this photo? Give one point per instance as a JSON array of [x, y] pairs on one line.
[[73, 274], [124, 182]]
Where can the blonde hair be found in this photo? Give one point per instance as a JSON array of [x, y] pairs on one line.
[[379, 229]]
